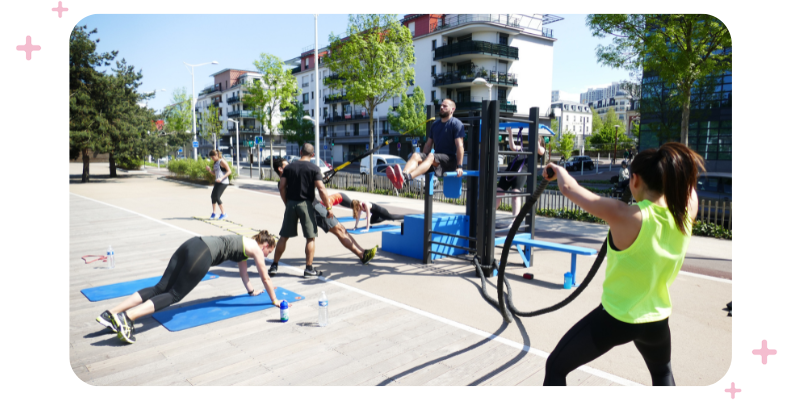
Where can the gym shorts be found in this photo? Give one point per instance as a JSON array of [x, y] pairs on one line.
[[321, 214], [299, 211]]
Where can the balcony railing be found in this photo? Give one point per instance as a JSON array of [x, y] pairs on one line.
[[240, 114], [233, 99], [295, 70], [335, 98], [520, 21], [211, 89], [476, 47], [330, 78], [305, 84], [475, 103], [493, 77]]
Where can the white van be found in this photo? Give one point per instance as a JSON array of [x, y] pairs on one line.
[[379, 159]]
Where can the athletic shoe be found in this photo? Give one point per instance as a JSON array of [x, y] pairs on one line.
[[313, 273], [222, 216], [213, 216], [106, 320], [369, 255], [125, 328], [392, 176], [406, 179], [273, 270]]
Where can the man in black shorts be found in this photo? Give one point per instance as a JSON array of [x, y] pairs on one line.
[[447, 138], [328, 225]]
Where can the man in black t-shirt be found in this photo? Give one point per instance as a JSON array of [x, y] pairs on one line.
[[297, 185], [447, 138], [328, 225]]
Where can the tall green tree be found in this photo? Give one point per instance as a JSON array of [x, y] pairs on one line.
[[294, 128], [680, 49], [610, 119], [375, 63], [566, 144], [178, 119], [127, 120], [410, 115], [597, 121], [276, 90], [88, 126], [211, 123]]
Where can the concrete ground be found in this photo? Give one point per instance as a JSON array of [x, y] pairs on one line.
[[422, 324]]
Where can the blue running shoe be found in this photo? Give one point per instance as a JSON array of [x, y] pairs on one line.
[[213, 215], [222, 216]]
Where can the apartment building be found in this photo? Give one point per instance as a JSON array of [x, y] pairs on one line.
[[574, 117], [512, 52], [226, 94]]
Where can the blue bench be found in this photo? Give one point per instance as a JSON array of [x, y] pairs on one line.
[[526, 241]]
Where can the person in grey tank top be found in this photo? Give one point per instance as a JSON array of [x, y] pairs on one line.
[[187, 267], [221, 171]]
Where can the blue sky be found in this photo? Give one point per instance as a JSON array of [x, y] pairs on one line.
[[160, 44]]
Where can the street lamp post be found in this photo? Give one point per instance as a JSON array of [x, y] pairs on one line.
[[238, 170], [194, 100], [316, 89], [481, 81]]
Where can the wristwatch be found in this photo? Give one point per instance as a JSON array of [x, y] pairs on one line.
[[459, 167]]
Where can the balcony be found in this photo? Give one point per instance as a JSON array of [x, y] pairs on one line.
[[527, 23], [240, 114], [476, 47], [335, 98], [295, 70], [330, 78], [452, 78], [474, 103], [211, 89], [233, 99], [305, 84]]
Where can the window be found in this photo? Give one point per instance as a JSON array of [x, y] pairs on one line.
[[305, 98], [306, 62], [433, 69], [433, 45], [355, 129], [433, 95], [412, 27], [312, 113], [503, 39], [312, 95]]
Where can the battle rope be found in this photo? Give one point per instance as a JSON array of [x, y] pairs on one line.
[[501, 305], [330, 173]]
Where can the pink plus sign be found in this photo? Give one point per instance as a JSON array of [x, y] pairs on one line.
[[28, 48], [733, 390], [764, 352], [60, 9]]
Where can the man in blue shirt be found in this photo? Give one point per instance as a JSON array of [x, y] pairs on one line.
[[447, 138]]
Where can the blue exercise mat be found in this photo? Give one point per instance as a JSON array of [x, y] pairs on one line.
[[180, 318], [126, 288], [374, 228], [345, 219]]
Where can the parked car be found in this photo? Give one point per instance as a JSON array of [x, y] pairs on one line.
[[379, 159], [574, 163], [325, 163], [291, 159], [715, 186], [418, 184]]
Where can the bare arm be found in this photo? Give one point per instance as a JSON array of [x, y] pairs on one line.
[[428, 146], [282, 187], [246, 279], [610, 210], [227, 168], [258, 256], [323, 196], [512, 144]]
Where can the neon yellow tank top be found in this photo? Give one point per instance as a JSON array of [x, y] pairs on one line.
[[636, 288]]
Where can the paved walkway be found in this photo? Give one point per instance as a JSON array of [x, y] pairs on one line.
[[394, 322]]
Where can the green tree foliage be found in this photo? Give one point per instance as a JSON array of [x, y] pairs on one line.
[[178, 119], [566, 144], [294, 128], [128, 122], [554, 125], [597, 122], [88, 126], [410, 114], [680, 49], [210, 123], [276, 90], [375, 62]]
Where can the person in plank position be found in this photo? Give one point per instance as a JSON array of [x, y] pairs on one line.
[[187, 267], [447, 138]]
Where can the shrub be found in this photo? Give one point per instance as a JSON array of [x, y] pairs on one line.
[[196, 170], [702, 228], [130, 163]]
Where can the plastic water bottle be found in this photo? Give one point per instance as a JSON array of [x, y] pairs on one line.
[[110, 258], [284, 311], [323, 310]]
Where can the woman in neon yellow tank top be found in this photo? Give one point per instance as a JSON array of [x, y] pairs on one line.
[[647, 242]]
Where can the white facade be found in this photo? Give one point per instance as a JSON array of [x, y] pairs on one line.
[[574, 117]]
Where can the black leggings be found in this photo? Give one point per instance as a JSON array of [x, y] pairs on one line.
[[346, 202], [378, 214], [187, 267], [216, 193], [599, 332]]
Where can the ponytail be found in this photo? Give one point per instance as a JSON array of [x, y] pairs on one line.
[[356, 208], [671, 170]]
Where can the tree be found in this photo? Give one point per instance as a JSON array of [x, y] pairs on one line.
[[410, 115], [296, 129], [274, 92], [597, 122], [610, 119], [374, 63], [211, 124], [681, 49], [554, 125], [127, 120], [566, 144], [178, 118], [87, 124]]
